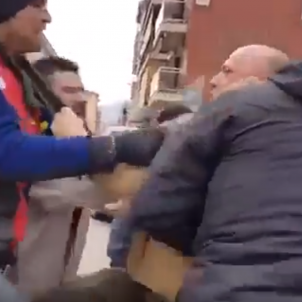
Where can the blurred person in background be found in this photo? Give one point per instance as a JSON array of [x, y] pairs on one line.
[[121, 232], [142, 117], [172, 115], [58, 209]]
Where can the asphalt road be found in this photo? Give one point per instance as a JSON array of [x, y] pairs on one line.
[[94, 256]]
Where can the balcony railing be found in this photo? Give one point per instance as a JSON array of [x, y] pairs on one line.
[[145, 37], [171, 17], [158, 40], [170, 26], [166, 85]]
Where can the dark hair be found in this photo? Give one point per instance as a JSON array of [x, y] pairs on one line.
[[108, 285], [48, 66], [171, 112], [142, 116]]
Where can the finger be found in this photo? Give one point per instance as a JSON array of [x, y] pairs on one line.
[[114, 206], [91, 97], [67, 111]]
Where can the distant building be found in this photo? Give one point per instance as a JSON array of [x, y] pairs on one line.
[[180, 41], [158, 52]]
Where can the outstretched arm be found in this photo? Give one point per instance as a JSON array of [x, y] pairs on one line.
[[25, 157]]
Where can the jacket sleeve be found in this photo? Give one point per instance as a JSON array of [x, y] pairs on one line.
[[26, 157], [170, 205], [65, 193]]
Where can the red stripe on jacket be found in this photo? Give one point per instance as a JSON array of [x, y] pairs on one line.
[[13, 92]]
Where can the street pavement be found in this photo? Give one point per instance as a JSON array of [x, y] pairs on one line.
[[94, 257]]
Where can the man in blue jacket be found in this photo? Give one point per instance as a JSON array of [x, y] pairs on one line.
[[27, 156]]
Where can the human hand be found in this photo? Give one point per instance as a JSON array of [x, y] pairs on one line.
[[66, 123], [119, 208], [138, 148], [91, 112]]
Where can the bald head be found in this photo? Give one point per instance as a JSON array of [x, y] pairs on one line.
[[259, 61], [272, 59]]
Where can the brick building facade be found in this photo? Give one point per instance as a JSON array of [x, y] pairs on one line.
[[216, 30], [180, 41]]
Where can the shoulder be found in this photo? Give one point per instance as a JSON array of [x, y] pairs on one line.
[[259, 97]]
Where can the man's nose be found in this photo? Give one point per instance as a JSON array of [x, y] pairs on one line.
[[213, 82], [46, 16]]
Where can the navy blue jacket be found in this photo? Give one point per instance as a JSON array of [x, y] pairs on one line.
[[227, 190], [27, 158]]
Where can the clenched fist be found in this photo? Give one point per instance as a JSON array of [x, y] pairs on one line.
[[66, 123], [138, 148]]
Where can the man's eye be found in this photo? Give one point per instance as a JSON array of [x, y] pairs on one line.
[[226, 70]]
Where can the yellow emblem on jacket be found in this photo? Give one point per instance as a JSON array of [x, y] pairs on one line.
[[44, 126]]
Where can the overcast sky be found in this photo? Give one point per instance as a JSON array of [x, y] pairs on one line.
[[99, 35]]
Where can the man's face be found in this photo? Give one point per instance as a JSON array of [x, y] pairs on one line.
[[69, 88], [26, 28], [237, 67]]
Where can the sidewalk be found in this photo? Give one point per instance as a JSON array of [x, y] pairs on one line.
[[94, 256]]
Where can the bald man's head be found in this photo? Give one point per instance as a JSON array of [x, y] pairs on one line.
[[267, 59], [259, 61]]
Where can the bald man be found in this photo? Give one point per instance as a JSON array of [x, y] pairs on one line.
[[259, 61], [229, 192]]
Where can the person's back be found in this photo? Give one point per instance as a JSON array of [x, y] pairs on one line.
[[239, 174], [250, 237]]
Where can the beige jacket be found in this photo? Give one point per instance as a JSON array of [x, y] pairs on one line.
[[41, 262]]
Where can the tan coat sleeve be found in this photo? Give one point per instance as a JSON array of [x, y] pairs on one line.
[[63, 193]]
